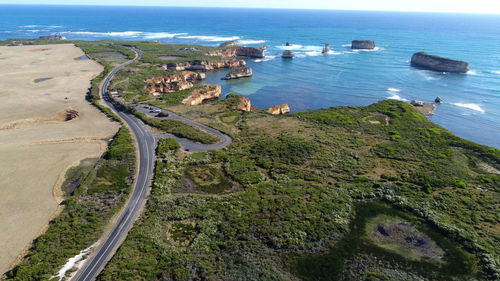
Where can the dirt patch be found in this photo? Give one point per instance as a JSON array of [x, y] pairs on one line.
[[402, 237], [38, 50]]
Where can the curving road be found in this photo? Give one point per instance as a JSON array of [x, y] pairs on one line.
[[146, 143]]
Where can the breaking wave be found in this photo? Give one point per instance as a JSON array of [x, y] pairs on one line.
[[267, 58], [211, 38], [251, 42], [394, 90], [472, 72], [106, 34], [471, 106], [396, 97], [161, 35]]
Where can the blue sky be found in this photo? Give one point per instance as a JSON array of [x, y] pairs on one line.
[[460, 6]]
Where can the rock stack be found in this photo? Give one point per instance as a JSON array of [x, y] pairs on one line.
[[424, 60], [363, 45], [326, 49], [287, 54], [237, 73]]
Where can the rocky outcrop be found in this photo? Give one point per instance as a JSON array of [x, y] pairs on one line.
[[426, 108], [239, 72], [363, 45], [424, 60], [198, 96], [204, 65], [279, 109], [249, 52], [173, 83], [287, 54], [245, 104], [229, 44], [326, 49]]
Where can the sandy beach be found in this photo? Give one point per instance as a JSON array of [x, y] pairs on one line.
[[46, 126]]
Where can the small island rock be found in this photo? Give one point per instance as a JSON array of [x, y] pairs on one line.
[[436, 63], [239, 72], [287, 54], [363, 45]]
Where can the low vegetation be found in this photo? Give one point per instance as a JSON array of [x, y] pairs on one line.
[[304, 183], [102, 191]]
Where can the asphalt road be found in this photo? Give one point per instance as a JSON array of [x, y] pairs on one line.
[[186, 144], [146, 143]]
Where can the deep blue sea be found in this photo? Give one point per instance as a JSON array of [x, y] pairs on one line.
[[471, 107]]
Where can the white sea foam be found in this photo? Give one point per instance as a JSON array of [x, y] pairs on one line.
[[211, 38], [496, 72], [376, 49], [297, 47], [72, 262], [472, 72], [267, 58], [313, 53], [29, 26], [106, 34], [397, 97], [471, 106], [251, 42], [394, 90], [161, 35]]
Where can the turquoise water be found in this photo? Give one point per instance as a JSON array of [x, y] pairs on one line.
[[471, 107]]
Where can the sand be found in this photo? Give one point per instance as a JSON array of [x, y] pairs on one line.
[[37, 145]]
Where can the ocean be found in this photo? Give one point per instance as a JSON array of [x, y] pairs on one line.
[[471, 107]]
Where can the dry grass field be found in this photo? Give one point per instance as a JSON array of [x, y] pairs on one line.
[[46, 126]]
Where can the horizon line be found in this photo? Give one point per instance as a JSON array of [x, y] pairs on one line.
[[261, 8]]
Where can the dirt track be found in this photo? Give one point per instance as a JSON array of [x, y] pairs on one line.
[[37, 145]]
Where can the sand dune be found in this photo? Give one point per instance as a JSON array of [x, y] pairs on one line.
[[37, 144]]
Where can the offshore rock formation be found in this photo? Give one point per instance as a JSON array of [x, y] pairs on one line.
[[245, 104], [287, 54], [363, 45], [424, 60], [239, 72], [198, 96], [249, 52], [204, 65], [279, 109], [229, 44], [326, 49], [173, 83]]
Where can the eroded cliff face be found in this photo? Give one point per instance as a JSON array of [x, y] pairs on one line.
[[422, 59], [208, 92], [249, 52], [239, 72], [245, 104], [172, 83], [363, 44], [205, 65], [279, 109]]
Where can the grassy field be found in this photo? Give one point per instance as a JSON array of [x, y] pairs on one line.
[[300, 179], [103, 189], [37, 143]]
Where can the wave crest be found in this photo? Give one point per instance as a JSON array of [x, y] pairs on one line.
[[211, 38], [471, 106]]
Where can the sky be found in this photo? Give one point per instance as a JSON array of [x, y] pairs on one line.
[[453, 6]]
